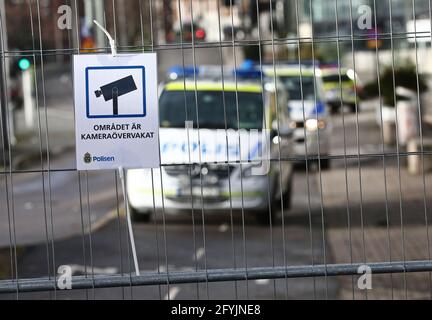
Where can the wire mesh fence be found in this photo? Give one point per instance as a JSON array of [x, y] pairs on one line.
[[341, 212]]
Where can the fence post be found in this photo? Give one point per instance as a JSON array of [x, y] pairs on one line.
[[3, 77]]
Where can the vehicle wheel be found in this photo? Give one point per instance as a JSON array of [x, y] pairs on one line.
[[264, 218], [352, 108], [325, 164], [287, 198], [334, 108], [139, 216]]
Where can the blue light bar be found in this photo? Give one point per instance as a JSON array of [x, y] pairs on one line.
[[248, 64], [176, 72], [248, 74], [303, 62], [248, 70]]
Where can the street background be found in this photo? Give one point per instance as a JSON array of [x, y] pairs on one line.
[[366, 208]]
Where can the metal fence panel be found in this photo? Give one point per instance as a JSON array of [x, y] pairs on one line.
[[349, 79]]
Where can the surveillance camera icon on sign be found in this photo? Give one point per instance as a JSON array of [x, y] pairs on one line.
[[115, 92], [116, 89]]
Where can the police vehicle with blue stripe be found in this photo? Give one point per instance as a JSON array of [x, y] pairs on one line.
[[225, 143], [308, 108]]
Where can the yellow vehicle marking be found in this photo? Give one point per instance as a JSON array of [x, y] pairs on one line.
[[337, 85], [326, 73], [236, 194], [291, 72], [208, 86]]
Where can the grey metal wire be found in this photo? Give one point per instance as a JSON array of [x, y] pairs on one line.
[[9, 194], [45, 108], [40, 139], [240, 152], [189, 153], [79, 178], [90, 238], [271, 212], [119, 229], [227, 151], [358, 139], [319, 155], [165, 237], [312, 249], [420, 115], [220, 275], [389, 248], [152, 171], [208, 275], [347, 194], [401, 212]]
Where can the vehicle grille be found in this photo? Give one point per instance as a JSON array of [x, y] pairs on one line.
[[220, 171]]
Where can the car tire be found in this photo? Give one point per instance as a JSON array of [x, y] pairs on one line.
[[334, 108], [264, 218], [139, 216], [352, 108], [325, 164], [287, 197]]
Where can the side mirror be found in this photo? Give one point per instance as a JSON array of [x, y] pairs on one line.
[[283, 132], [286, 132]]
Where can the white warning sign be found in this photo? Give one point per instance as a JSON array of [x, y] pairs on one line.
[[116, 111]]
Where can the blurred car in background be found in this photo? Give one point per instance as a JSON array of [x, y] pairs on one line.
[[239, 33], [191, 33], [340, 87], [211, 134], [15, 84], [308, 109]]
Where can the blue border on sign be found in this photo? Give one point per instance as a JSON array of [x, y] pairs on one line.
[[120, 115]]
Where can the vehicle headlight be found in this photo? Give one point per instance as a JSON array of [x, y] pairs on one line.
[[248, 169], [314, 124]]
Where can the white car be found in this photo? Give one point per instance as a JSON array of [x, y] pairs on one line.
[[200, 167], [308, 109]]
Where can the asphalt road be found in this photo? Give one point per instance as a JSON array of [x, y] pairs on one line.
[[182, 243], [177, 247], [41, 203], [178, 244]]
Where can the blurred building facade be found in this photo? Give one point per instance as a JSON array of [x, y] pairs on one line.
[[22, 16], [391, 15], [127, 19]]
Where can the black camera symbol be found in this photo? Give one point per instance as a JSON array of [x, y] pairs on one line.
[[113, 90]]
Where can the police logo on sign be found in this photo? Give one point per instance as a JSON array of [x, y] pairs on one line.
[[87, 158]]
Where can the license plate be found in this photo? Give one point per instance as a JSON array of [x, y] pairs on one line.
[[205, 192]]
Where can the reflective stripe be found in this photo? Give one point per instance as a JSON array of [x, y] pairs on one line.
[[337, 85], [289, 72], [334, 72], [211, 86], [172, 193]]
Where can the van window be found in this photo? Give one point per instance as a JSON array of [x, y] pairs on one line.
[[211, 109], [294, 87], [335, 78]]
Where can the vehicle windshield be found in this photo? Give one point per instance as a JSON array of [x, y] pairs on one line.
[[335, 78], [294, 87], [172, 109]]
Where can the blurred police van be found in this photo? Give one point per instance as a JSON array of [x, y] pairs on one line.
[[223, 141], [342, 87], [307, 107]]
